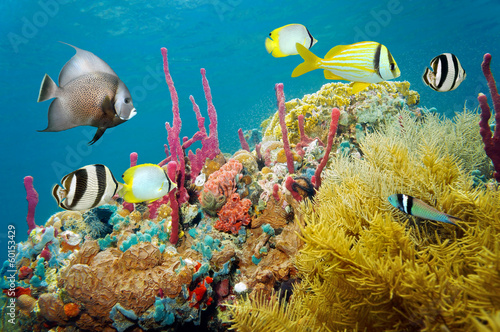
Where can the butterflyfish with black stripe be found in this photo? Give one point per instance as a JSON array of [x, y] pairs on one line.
[[145, 183], [415, 207], [362, 63], [86, 188], [281, 41], [446, 74]]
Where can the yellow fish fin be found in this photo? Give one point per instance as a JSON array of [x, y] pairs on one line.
[[127, 194], [334, 51], [311, 61], [331, 76], [359, 86], [269, 45]]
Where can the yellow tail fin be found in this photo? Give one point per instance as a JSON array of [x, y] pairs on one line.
[[311, 61]]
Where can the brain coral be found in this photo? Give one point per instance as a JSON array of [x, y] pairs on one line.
[[132, 278]]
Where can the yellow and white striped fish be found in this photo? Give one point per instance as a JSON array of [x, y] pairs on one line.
[[362, 63]]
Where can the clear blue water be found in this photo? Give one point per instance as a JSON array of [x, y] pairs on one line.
[[224, 36]]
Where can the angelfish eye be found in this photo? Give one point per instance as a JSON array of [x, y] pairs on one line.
[[127, 100]]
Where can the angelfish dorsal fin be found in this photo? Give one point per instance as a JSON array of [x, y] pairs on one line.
[[83, 62]]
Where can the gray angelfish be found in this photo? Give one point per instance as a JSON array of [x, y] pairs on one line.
[[89, 94]]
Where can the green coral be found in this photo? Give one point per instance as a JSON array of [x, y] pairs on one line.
[[368, 266]]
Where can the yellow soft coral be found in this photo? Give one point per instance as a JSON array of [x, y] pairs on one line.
[[368, 266]]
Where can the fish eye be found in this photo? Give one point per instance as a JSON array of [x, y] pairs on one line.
[[269, 34], [392, 66], [127, 100]]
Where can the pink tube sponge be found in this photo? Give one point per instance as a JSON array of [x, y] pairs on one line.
[[491, 142], [32, 198], [316, 179], [280, 96]]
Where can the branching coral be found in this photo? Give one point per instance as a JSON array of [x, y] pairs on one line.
[[268, 314], [366, 266]]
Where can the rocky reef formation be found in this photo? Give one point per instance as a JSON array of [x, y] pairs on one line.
[[244, 244]]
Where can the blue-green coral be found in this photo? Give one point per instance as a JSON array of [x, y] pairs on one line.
[[38, 279]]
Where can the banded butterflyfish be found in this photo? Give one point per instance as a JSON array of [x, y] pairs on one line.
[[86, 188], [446, 74]]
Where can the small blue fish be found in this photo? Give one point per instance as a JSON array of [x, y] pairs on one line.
[[415, 207]]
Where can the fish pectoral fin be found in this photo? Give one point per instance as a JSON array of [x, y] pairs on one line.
[[359, 86], [331, 76], [108, 108], [100, 131]]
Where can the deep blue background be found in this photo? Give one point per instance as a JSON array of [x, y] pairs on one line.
[[224, 36]]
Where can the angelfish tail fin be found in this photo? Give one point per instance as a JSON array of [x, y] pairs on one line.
[[310, 61], [48, 89]]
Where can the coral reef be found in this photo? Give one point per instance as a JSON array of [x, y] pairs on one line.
[[292, 233], [234, 214], [370, 107], [365, 266]]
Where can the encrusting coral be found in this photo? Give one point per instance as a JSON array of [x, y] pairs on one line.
[[368, 107], [366, 266]]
